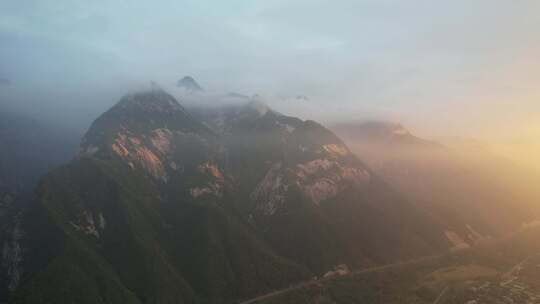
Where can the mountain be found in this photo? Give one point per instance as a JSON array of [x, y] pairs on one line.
[[189, 84], [300, 181], [475, 193], [165, 205], [381, 133]]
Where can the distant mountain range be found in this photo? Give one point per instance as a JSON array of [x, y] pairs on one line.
[[473, 192], [381, 132]]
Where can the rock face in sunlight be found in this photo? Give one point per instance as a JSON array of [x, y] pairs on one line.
[[162, 205], [143, 130], [456, 240]]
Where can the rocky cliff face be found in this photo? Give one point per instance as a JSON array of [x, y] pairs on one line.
[[148, 131]]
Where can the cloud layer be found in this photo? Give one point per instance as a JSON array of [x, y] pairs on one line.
[[447, 67]]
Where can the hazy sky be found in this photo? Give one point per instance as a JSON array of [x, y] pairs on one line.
[[442, 67]]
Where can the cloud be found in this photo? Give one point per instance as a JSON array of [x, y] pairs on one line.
[[386, 57]]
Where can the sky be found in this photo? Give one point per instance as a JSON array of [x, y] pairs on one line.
[[443, 68]]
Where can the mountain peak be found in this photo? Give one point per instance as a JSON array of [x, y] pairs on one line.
[[150, 97], [381, 132], [189, 84], [141, 130]]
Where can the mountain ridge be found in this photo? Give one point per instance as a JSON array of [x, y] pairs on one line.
[[477, 195], [169, 206]]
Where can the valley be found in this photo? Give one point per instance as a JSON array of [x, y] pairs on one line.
[[499, 272]]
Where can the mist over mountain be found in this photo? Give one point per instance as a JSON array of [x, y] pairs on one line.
[[190, 179], [268, 151], [189, 84], [31, 148], [225, 179], [201, 191], [213, 196], [381, 132], [465, 185]]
